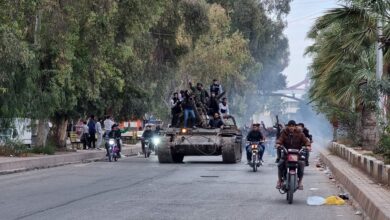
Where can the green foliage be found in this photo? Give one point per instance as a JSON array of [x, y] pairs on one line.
[[13, 148], [384, 148], [48, 149], [68, 59]]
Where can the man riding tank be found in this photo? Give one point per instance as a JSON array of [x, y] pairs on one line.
[[216, 88], [201, 95], [255, 135], [189, 109], [291, 138], [216, 122], [213, 105], [224, 108], [175, 104]]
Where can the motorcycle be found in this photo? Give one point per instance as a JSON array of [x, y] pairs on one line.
[[290, 176], [113, 149], [147, 150], [150, 145], [255, 150]]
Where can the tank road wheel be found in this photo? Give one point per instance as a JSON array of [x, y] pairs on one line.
[[177, 158], [164, 154], [228, 153]]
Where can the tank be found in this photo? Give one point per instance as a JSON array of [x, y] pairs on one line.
[[176, 143]]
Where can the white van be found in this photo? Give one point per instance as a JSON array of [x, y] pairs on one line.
[[20, 130]]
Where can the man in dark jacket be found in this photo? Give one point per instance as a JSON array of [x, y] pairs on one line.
[[216, 88], [116, 134], [175, 110], [189, 109], [255, 135], [213, 105], [291, 138], [147, 136], [216, 122], [92, 132]]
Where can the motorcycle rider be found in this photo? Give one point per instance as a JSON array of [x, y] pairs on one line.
[[291, 138], [305, 131], [147, 135], [255, 135], [116, 134]]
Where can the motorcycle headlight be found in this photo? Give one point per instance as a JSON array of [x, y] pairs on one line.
[[111, 142], [156, 140]]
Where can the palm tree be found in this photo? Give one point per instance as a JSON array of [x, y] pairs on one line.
[[343, 69]]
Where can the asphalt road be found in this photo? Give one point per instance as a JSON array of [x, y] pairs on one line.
[[139, 188]]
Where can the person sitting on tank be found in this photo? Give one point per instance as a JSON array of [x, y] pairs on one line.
[[255, 135], [213, 105], [146, 136], [216, 122]]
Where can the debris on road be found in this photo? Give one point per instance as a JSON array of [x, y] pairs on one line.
[[334, 200], [315, 200]]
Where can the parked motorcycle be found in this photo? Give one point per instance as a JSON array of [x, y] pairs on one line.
[[290, 177], [113, 149]]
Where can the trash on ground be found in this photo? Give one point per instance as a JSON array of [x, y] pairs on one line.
[[358, 213], [313, 189], [344, 196], [315, 200], [334, 200]]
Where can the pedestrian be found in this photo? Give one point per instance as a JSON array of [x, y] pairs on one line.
[[92, 132], [85, 135], [99, 133]]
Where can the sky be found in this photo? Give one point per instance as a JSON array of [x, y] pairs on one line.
[[302, 16]]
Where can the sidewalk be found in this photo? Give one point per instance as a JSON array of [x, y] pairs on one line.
[[19, 164], [373, 198]]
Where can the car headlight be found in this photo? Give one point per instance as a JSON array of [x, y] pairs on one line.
[[111, 142], [156, 140]]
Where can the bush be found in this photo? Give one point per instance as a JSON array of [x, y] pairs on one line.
[[48, 149], [14, 148], [384, 148]]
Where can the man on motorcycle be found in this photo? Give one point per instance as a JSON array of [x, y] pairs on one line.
[[307, 134], [116, 134], [291, 138], [255, 135], [147, 135]]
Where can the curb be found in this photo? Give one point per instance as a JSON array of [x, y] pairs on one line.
[[361, 187], [58, 160]]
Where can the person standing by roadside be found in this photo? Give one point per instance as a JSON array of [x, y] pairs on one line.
[[85, 135], [108, 123], [99, 133], [92, 132]]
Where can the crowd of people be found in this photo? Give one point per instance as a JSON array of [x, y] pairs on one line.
[[186, 102]]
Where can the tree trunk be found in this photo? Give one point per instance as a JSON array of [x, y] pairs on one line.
[[60, 134], [43, 131], [370, 133]]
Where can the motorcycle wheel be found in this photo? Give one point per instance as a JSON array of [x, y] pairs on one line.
[[254, 165], [146, 152], [291, 187]]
